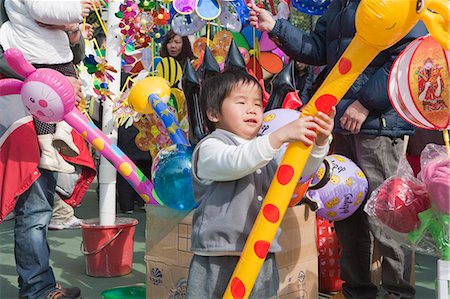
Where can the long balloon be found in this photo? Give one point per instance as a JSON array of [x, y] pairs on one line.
[[398, 18], [49, 97], [168, 119]]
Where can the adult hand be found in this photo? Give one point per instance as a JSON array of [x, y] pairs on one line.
[[353, 117], [86, 8], [260, 18], [87, 30], [76, 85]]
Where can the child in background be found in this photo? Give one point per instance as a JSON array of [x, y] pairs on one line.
[[42, 31], [232, 169]]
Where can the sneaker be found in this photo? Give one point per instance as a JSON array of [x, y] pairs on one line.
[[65, 293], [74, 222]]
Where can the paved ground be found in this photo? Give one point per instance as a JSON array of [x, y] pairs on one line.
[[69, 265]]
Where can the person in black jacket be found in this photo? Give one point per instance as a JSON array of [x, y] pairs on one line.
[[367, 130]]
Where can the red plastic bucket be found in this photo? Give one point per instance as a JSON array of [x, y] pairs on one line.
[[108, 249], [328, 247]]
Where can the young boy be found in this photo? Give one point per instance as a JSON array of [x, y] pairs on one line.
[[232, 169]]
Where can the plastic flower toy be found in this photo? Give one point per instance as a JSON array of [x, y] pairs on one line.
[[157, 34], [127, 29], [101, 89], [142, 40], [127, 10], [161, 17], [147, 5]]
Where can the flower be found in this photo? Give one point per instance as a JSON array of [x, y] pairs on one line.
[[157, 34], [161, 17], [102, 90]]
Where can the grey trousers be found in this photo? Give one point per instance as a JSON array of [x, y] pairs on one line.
[[209, 276], [378, 157]]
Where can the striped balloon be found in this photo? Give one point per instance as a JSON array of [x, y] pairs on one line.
[[169, 69]]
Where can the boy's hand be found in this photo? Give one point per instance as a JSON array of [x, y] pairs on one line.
[[260, 18], [302, 130], [325, 125]]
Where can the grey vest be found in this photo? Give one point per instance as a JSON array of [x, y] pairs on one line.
[[227, 210]]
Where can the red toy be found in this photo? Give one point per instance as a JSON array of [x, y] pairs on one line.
[[398, 202]]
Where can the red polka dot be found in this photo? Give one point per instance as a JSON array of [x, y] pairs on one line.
[[43, 103], [271, 213], [284, 174], [237, 288], [261, 248], [325, 102], [345, 65]]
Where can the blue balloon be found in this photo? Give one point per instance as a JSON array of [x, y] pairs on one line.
[[171, 173], [311, 7]]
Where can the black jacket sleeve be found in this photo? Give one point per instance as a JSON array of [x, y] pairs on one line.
[[309, 48]]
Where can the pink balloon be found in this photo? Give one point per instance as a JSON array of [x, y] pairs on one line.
[[46, 93], [435, 175], [49, 97]]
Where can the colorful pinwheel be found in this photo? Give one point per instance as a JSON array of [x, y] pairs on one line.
[[99, 67], [265, 56]]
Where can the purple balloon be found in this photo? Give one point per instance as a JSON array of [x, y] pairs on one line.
[[276, 118], [339, 188]]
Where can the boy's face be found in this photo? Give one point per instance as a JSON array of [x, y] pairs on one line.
[[241, 112]]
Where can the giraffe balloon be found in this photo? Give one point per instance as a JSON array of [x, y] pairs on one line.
[[379, 25]]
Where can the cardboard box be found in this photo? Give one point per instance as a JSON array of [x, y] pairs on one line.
[[298, 262], [168, 256]]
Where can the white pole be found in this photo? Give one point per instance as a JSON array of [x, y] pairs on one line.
[[107, 172], [443, 279]]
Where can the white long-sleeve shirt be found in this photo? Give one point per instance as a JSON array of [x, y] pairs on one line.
[[38, 44], [223, 162]]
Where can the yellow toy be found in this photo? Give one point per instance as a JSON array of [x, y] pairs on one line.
[[379, 25], [138, 97]]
